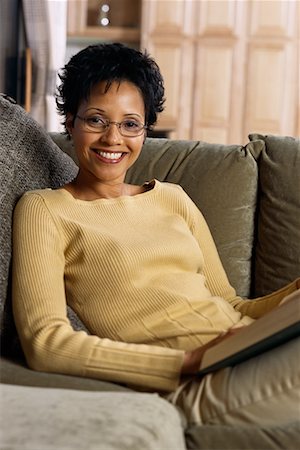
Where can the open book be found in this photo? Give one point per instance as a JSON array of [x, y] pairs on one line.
[[274, 328]]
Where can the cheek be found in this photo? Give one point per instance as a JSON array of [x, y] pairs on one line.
[[138, 147], [81, 140]]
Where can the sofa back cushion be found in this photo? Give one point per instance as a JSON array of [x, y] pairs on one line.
[[222, 181], [28, 160], [277, 258]]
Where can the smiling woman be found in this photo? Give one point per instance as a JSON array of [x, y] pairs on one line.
[[110, 95], [137, 264], [108, 133]]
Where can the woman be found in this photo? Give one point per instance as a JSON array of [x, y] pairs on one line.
[[136, 263]]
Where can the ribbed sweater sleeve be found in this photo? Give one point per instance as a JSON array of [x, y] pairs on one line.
[[39, 303]]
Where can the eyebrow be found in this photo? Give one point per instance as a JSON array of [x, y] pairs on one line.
[[103, 112]]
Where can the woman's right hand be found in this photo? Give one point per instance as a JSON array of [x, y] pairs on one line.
[[192, 360]]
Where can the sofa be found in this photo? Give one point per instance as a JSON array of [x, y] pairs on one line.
[[250, 196]]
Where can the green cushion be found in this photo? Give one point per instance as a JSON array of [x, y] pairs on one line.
[[277, 259], [222, 181], [224, 437]]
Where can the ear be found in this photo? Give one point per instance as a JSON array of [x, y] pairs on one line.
[[69, 123], [145, 136]]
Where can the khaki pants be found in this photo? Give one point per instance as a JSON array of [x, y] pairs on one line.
[[264, 390]]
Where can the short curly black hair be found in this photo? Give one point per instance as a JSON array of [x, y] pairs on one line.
[[110, 62]]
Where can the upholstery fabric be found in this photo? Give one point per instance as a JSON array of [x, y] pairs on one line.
[[62, 419], [276, 261], [16, 372], [222, 181], [243, 438], [28, 160]]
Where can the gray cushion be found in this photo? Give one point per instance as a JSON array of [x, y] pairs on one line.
[[62, 419], [277, 259], [28, 160], [222, 181]]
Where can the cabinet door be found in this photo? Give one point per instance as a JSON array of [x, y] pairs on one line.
[[231, 67], [271, 101], [166, 30], [219, 71]]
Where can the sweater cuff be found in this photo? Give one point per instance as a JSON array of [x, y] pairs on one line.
[[145, 366]]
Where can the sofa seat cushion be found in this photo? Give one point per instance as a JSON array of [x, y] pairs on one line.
[[277, 258], [222, 181], [65, 419], [243, 438], [17, 372]]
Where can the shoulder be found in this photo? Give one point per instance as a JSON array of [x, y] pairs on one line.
[[39, 199], [171, 188], [175, 193], [177, 199], [182, 202], [40, 195]]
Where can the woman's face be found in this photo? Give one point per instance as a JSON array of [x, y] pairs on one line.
[[106, 156]]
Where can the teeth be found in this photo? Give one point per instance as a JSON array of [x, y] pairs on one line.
[[109, 155]]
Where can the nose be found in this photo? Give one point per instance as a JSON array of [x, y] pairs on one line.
[[112, 135]]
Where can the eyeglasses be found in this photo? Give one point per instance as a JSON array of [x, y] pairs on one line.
[[98, 124]]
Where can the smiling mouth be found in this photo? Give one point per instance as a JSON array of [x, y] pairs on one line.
[[109, 156]]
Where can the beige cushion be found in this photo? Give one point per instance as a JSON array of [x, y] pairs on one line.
[[63, 419], [277, 259], [222, 181]]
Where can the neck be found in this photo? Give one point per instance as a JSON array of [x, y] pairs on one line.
[[99, 190]]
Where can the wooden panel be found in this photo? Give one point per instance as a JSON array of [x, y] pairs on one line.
[[213, 135], [297, 57], [28, 79], [77, 16], [169, 58], [272, 18], [186, 92], [217, 17], [219, 67], [212, 88], [273, 68], [165, 16], [270, 82]]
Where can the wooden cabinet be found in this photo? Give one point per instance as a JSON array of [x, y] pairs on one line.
[[231, 67], [104, 20]]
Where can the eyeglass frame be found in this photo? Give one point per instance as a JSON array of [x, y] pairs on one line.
[[118, 124]]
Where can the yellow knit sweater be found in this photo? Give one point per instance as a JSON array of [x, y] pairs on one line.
[[142, 273]]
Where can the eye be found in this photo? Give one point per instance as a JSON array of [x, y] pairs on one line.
[[96, 121], [131, 124]]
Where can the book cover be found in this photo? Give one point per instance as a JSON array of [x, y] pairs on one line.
[[274, 328]]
